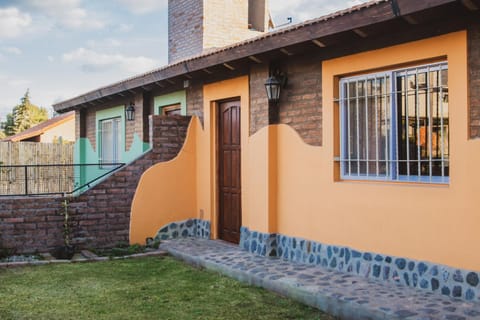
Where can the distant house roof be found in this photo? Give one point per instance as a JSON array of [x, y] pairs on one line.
[[41, 128], [375, 16]]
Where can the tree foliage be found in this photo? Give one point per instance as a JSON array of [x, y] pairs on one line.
[[24, 116]]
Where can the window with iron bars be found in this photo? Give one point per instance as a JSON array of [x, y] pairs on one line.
[[394, 125]]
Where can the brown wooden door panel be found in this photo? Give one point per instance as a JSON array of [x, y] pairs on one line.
[[229, 145]]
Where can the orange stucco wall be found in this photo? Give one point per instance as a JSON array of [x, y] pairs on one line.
[[437, 223], [166, 192], [290, 187], [185, 187]]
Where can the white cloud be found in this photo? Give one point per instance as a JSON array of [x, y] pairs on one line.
[[18, 82], [92, 61], [68, 13], [125, 27], [50, 59], [12, 81], [302, 10], [13, 22], [12, 50], [144, 6], [109, 42]]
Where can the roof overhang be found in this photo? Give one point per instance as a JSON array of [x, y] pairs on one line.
[[367, 22]]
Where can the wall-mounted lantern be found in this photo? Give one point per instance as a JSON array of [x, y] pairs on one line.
[[130, 112], [274, 84]]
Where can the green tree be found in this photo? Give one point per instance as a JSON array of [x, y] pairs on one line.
[[24, 115]]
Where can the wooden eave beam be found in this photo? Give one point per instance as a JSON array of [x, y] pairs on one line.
[[410, 19], [255, 59], [374, 15], [229, 66], [286, 52], [470, 5], [360, 33], [319, 43]]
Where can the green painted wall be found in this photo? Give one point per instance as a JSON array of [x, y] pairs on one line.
[[169, 99], [84, 153]]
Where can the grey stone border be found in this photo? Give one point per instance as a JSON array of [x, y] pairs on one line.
[[183, 229], [452, 282]]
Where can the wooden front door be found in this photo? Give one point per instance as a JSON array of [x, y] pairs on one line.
[[229, 151]]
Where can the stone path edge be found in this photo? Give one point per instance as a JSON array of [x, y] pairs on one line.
[[341, 309]]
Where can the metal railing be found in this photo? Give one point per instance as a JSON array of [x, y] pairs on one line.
[[50, 179]]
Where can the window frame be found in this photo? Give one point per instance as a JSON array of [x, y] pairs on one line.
[[392, 140], [165, 110], [116, 138]]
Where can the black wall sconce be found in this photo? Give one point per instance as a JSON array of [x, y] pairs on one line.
[[274, 84], [130, 112]]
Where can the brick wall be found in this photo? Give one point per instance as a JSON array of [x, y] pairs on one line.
[[258, 98], [195, 101], [195, 25], [185, 29], [474, 78], [131, 127], [226, 22], [300, 101], [100, 216]]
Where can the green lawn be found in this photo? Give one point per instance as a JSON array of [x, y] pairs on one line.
[[147, 288]]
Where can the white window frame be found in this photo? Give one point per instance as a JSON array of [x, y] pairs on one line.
[[391, 141], [116, 139]]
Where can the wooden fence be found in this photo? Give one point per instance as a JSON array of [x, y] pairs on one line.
[[33, 180], [21, 153]]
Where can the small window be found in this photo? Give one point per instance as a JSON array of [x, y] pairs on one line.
[[110, 141], [174, 109], [395, 125]]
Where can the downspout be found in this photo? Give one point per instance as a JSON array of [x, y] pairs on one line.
[[395, 8]]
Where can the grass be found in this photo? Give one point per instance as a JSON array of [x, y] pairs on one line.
[[147, 288]]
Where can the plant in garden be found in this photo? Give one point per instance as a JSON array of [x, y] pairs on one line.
[[66, 223], [67, 250]]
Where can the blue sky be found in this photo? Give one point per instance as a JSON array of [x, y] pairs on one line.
[[62, 48]]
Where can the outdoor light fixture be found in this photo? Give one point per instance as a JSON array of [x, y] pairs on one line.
[[273, 85], [130, 112]]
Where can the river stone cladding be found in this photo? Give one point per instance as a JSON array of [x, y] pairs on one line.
[[436, 278], [196, 228], [100, 217]]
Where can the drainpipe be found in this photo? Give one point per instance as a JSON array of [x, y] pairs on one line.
[[395, 8]]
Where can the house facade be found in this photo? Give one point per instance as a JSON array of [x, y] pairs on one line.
[[58, 129], [366, 164]]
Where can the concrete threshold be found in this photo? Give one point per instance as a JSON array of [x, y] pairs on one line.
[[340, 294]]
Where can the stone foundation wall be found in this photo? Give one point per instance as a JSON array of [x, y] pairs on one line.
[[436, 278], [100, 217], [188, 228]]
